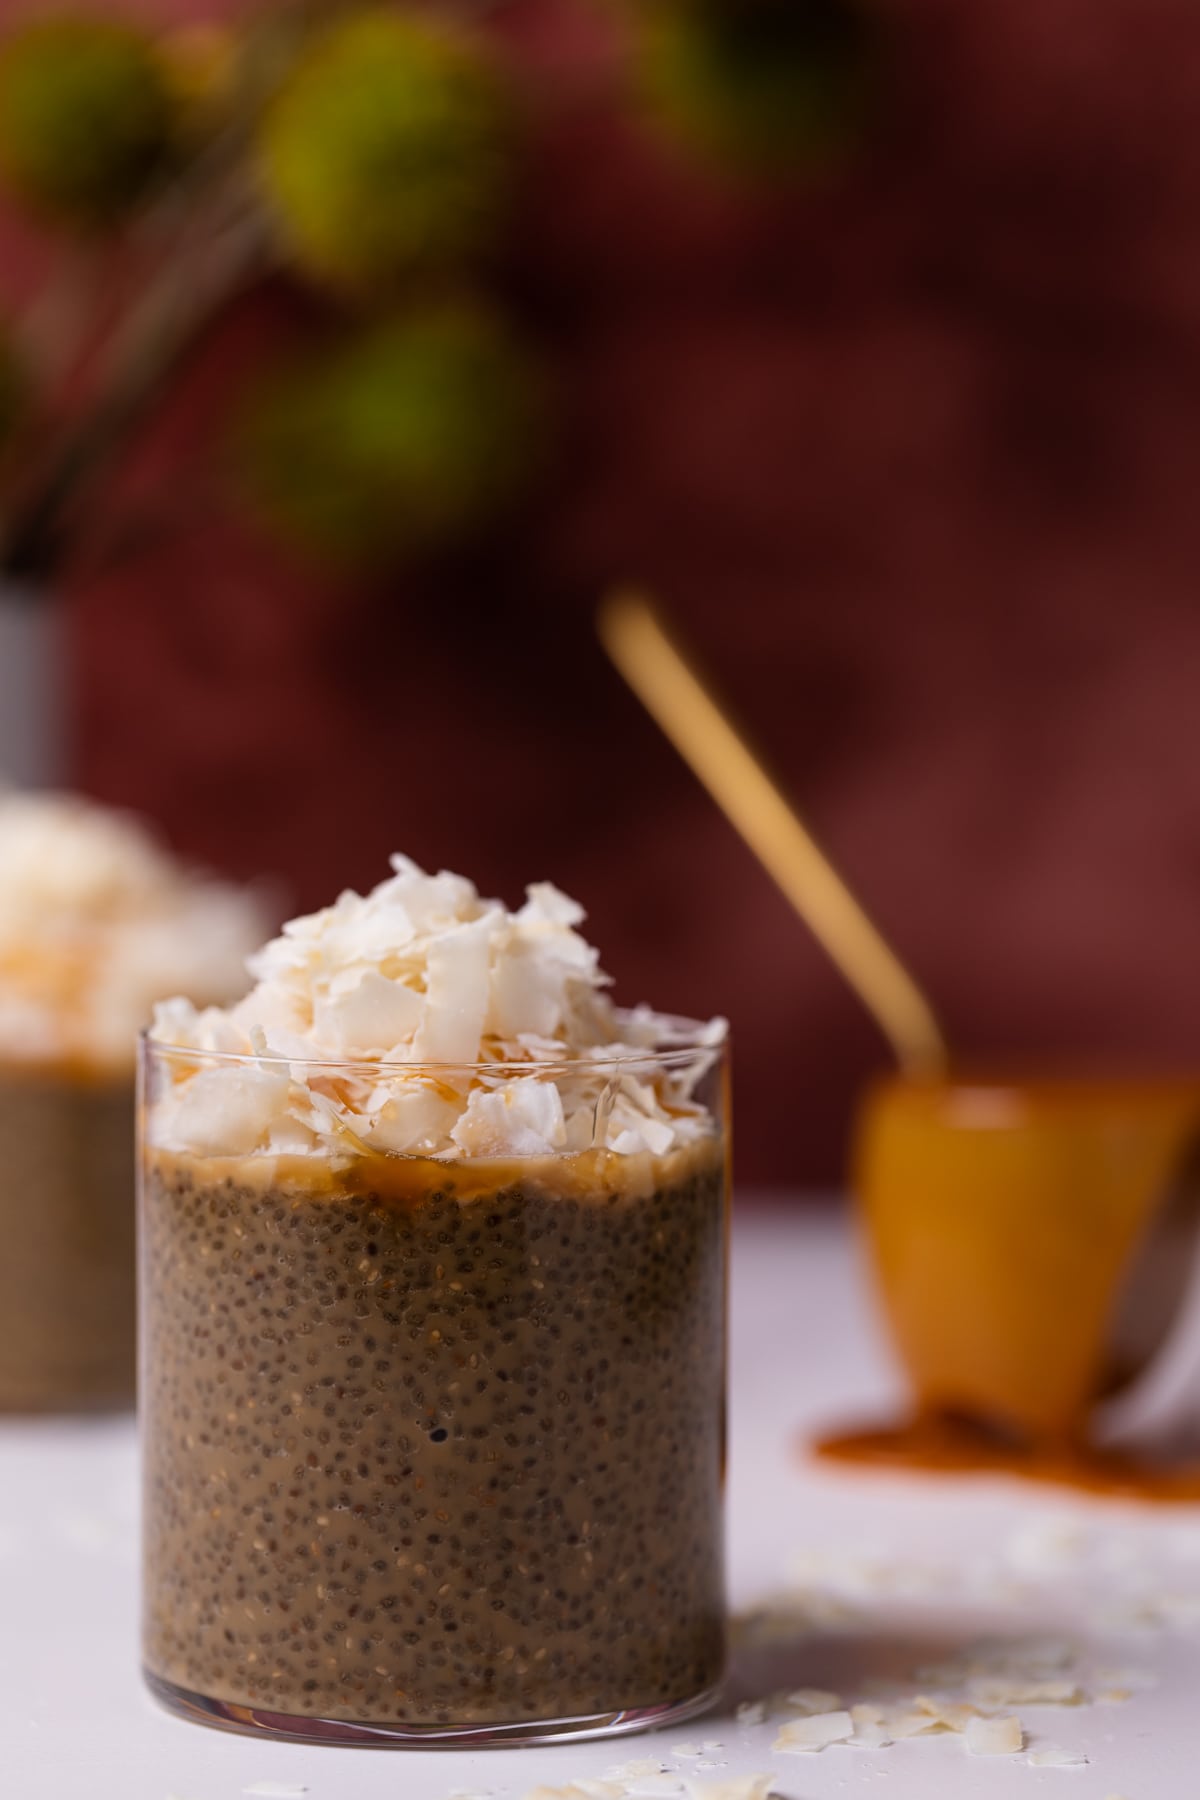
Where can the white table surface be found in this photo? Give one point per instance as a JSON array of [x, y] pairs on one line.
[[876, 1576]]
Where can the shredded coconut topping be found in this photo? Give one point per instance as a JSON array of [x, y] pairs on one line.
[[422, 1019], [97, 922]]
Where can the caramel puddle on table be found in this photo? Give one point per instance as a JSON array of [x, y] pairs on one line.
[[947, 1446], [1031, 1243]]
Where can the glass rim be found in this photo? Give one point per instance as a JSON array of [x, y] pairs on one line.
[[685, 1045]]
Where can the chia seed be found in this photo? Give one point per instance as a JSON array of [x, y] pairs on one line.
[[439, 1459]]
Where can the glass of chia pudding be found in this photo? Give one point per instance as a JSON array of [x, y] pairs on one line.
[[433, 1335], [97, 921]]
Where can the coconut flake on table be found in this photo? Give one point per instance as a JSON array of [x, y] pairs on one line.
[[583, 1789], [812, 1700], [738, 1787], [579, 1790], [949, 1715], [916, 1721], [815, 1732], [1011, 1690], [870, 1727], [994, 1737], [422, 1019]]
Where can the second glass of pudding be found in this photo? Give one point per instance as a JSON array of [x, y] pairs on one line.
[[434, 1439], [98, 920]]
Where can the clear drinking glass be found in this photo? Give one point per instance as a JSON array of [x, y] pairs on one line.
[[434, 1446], [67, 1225]]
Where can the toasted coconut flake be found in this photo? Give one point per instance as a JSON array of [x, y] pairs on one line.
[[223, 1110], [867, 1713], [98, 922], [913, 1721], [870, 1729], [812, 1700], [739, 1787], [523, 1118], [815, 1732], [1011, 1690], [424, 973], [579, 1790], [951, 1715], [374, 1011], [994, 1737], [751, 1712]]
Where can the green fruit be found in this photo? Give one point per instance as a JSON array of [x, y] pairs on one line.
[[86, 119], [768, 86], [387, 151], [415, 432]]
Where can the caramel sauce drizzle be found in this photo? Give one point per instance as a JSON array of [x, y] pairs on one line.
[[1007, 1224], [938, 1445]]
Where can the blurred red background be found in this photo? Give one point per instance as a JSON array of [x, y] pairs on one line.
[[910, 455]]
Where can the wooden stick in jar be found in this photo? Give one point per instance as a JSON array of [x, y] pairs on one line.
[[722, 761]]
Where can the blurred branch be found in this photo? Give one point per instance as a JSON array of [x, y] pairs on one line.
[[173, 312], [114, 318], [52, 329], [204, 239]]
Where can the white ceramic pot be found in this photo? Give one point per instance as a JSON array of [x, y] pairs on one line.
[[33, 702]]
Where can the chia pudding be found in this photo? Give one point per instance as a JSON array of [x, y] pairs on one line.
[[97, 921], [433, 1432], [66, 1218]]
